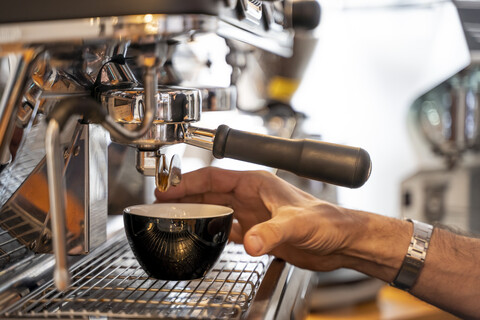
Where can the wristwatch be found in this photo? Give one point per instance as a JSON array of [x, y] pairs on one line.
[[415, 257]]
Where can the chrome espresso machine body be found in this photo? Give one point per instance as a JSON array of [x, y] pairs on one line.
[[76, 76]]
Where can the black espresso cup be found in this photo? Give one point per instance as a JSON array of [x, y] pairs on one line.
[[177, 241]]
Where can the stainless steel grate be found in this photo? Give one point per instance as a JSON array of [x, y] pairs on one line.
[[113, 285], [15, 235]]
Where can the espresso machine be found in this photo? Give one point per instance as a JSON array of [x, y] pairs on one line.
[[78, 77], [445, 124]]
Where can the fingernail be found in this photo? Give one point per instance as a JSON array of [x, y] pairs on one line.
[[255, 244]]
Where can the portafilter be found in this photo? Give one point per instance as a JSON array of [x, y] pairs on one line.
[[177, 108]]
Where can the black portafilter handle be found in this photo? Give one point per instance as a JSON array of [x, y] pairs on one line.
[[331, 163]]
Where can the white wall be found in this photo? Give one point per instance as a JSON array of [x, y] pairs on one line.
[[369, 65]]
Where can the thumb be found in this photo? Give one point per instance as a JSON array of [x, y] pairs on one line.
[[264, 237]]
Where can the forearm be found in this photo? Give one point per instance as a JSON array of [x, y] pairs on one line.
[[452, 273], [450, 278]]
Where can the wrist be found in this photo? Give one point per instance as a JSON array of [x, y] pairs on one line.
[[377, 245]]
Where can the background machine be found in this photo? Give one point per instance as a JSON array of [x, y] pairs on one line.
[[445, 120]]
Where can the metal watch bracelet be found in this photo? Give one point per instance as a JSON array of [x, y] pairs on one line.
[[415, 258]]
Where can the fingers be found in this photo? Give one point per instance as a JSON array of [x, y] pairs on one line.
[[201, 181], [221, 199], [236, 234], [266, 207], [264, 237]]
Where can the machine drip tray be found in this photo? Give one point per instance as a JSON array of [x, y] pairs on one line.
[[111, 284]]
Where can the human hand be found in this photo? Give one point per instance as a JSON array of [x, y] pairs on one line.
[[273, 216], [277, 218]]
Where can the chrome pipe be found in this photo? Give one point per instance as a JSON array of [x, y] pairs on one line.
[[122, 134], [200, 137], [56, 194]]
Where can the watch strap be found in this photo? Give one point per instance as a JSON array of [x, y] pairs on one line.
[[415, 258]]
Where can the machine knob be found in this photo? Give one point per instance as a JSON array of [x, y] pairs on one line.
[[305, 14]]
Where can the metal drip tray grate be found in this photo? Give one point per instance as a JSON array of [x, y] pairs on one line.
[[112, 285]]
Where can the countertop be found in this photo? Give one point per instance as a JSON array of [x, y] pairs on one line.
[[389, 304]]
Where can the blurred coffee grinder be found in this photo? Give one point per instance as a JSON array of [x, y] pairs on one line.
[[447, 119]]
